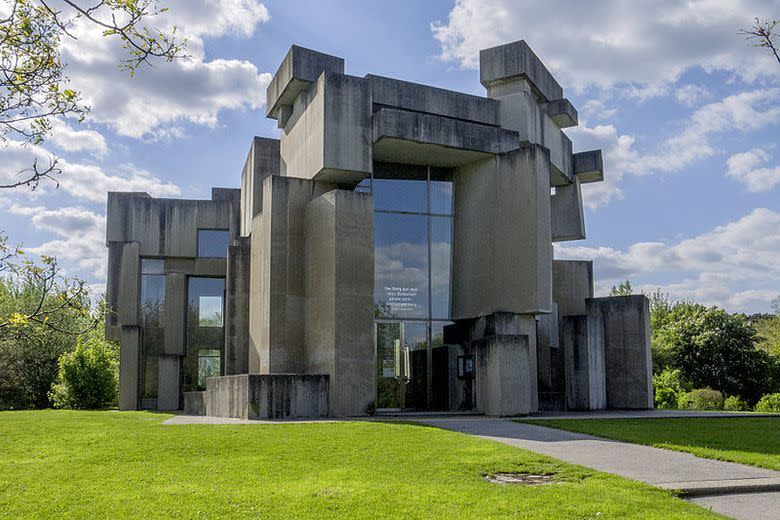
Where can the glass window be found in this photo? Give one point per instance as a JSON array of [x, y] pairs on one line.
[[416, 355], [152, 299], [441, 255], [213, 243], [364, 186], [205, 332], [209, 361], [401, 265], [441, 197], [400, 195], [152, 266], [210, 311]]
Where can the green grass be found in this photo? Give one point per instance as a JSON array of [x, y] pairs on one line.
[[116, 465], [748, 440]]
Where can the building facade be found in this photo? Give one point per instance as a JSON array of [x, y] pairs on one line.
[[391, 251]]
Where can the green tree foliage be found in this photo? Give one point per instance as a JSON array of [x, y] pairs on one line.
[[769, 403], [34, 88], [701, 399], [735, 404], [622, 289], [713, 349], [669, 386], [88, 376]]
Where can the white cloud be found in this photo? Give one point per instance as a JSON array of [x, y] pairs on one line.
[[734, 266], [641, 46], [690, 95], [69, 139], [748, 168]]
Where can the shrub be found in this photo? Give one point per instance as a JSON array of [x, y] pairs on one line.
[[87, 376], [770, 403], [668, 386], [702, 399], [735, 404]]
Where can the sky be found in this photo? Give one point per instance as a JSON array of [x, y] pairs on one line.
[[687, 114]]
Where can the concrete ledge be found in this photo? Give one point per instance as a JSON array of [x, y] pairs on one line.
[[588, 166], [723, 487], [505, 62], [562, 112]]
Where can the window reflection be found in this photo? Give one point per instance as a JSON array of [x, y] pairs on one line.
[[441, 197], [441, 247], [213, 243], [151, 312], [205, 332], [400, 195]]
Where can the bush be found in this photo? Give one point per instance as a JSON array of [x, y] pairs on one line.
[[735, 404], [770, 403], [701, 399], [87, 376], [668, 386]]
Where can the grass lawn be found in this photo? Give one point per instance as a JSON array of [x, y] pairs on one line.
[[115, 465], [748, 440]]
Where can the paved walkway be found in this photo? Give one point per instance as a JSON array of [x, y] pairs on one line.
[[714, 481]]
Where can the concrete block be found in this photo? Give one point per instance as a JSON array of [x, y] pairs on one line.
[[299, 69], [502, 386], [588, 166], [262, 161], [628, 359], [193, 403], [516, 60], [502, 254], [561, 170], [129, 368], [129, 284], [393, 93], [562, 112], [237, 290], [568, 220], [168, 383], [339, 308], [175, 314], [572, 285], [583, 350]]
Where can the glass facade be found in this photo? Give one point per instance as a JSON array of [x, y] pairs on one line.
[[205, 331], [412, 269], [213, 243], [151, 308]]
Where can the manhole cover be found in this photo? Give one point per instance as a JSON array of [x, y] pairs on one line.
[[520, 478]]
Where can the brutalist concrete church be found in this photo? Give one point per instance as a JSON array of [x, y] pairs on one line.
[[391, 251]]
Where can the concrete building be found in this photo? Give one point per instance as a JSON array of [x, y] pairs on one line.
[[391, 251]]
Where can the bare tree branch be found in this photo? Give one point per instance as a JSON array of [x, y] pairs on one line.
[[764, 33]]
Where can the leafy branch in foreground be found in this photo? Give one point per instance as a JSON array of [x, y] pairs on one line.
[[764, 35]]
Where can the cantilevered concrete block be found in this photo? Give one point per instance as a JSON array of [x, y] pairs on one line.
[[262, 161], [588, 166], [129, 368], [328, 135], [299, 69], [502, 255], [562, 112], [626, 325], [388, 92], [572, 285], [168, 383], [502, 361], [568, 221], [175, 314], [583, 348], [514, 60], [339, 280]]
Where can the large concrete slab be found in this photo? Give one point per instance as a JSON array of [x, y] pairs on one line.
[[262, 161], [747, 506], [513, 60]]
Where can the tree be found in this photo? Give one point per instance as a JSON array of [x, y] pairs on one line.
[[622, 289], [764, 35], [34, 88]]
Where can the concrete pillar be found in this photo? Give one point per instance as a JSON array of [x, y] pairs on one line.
[[339, 281], [237, 291], [628, 360], [583, 345], [500, 389], [129, 367], [175, 315], [168, 383], [261, 162], [572, 285]]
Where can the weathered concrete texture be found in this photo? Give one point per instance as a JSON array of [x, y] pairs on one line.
[[274, 396], [298, 70], [628, 360], [237, 291], [562, 112], [328, 134], [175, 315], [129, 285], [339, 310], [588, 166], [501, 227], [568, 221], [129, 367], [263, 160], [388, 92], [572, 285], [583, 350], [168, 383], [193, 403], [507, 62], [500, 362]]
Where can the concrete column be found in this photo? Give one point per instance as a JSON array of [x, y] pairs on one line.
[[628, 360], [583, 345], [261, 162], [129, 368], [237, 291], [175, 316], [339, 281], [500, 388], [168, 385]]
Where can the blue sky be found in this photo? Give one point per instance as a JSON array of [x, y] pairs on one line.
[[686, 112]]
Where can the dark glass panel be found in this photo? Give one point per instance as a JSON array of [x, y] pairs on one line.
[[389, 365], [205, 332], [441, 254], [400, 195], [152, 299], [213, 243], [150, 370], [416, 348], [152, 266], [401, 266]]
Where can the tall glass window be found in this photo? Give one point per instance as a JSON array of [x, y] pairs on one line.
[[151, 309], [205, 331]]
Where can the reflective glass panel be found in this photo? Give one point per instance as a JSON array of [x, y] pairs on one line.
[[416, 350], [441, 254], [213, 243], [209, 361], [400, 195], [390, 371], [205, 333], [441, 197], [401, 265], [152, 266], [210, 311], [152, 299]]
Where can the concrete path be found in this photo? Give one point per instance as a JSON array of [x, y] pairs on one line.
[[644, 414], [666, 469]]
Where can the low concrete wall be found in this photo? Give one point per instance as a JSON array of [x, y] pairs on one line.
[[267, 396], [193, 403], [502, 368]]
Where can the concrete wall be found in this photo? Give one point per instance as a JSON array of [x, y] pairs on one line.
[[237, 291], [168, 383], [583, 350], [628, 359], [261, 162], [276, 396], [339, 281], [500, 390], [502, 254], [568, 221], [572, 285], [129, 367]]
